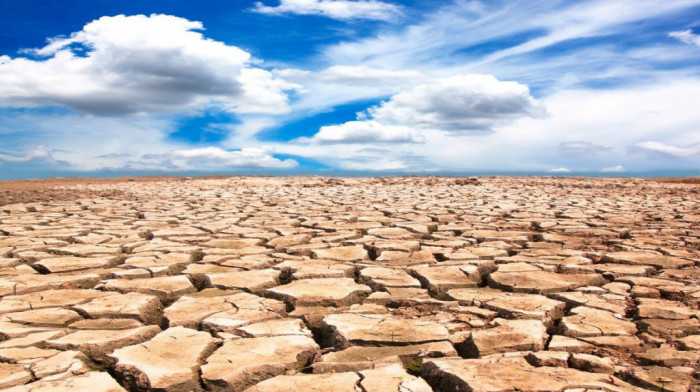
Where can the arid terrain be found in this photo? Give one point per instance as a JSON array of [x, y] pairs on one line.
[[404, 284]]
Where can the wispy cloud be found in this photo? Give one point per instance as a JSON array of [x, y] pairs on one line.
[[513, 39], [668, 150], [581, 148], [113, 156], [686, 36], [336, 9]]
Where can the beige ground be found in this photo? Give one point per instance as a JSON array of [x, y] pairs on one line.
[[371, 284]]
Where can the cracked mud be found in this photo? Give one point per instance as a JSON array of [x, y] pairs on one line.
[[368, 284]]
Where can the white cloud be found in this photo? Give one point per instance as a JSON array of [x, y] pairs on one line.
[[581, 148], [365, 132], [608, 121], [665, 149], [613, 169], [38, 153], [419, 121], [341, 84], [459, 103], [364, 75], [373, 163], [560, 170], [214, 157], [336, 9], [686, 36], [140, 64], [92, 143], [441, 43]]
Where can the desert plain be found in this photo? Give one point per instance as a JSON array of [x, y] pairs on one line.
[[402, 284]]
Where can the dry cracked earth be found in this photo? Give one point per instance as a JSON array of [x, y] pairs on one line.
[[375, 284]]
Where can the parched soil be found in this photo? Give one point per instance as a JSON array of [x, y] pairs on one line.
[[63, 189], [530, 284]]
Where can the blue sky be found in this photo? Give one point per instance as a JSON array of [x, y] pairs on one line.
[[97, 87]]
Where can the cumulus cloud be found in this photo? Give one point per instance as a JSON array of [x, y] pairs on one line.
[[613, 169], [214, 158], [668, 150], [365, 132], [454, 104], [686, 36], [612, 117], [336, 9], [139, 64], [459, 103]]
